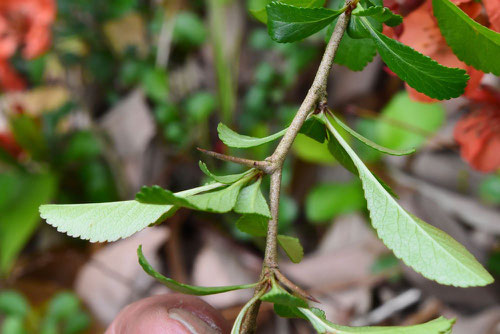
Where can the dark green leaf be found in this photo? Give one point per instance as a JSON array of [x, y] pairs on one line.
[[233, 139], [419, 71], [251, 201], [370, 143], [258, 7], [289, 24], [255, 225], [425, 248], [278, 295], [353, 53], [381, 14], [226, 179], [472, 42], [287, 311], [184, 288], [314, 129], [292, 247]]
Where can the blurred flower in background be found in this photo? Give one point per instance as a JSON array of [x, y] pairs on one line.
[[24, 25]]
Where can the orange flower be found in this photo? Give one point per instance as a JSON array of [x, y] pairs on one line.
[[478, 135], [24, 24]]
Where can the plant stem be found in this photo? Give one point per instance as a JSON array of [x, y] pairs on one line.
[[315, 95]]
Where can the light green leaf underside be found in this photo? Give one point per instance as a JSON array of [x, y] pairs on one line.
[[260, 12], [370, 143], [292, 247], [420, 72], [440, 325], [233, 139], [219, 201], [226, 179], [251, 201], [425, 248], [289, 24], [184, 288], [100, 222], [472, 42]]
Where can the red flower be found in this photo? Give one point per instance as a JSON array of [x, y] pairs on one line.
[[9, 144], [23, 24], [10, 80], [478, 135]]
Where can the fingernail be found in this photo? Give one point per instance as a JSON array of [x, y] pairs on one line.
[[192, 322]]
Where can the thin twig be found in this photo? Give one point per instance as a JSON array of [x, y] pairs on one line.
[[316, 94], [264, 166], [293, 287]]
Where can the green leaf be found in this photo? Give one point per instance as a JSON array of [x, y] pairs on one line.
[[289, 24], [423, 247], [12, 325], [184, 288], [189, 29], [28, 135], [63, 306], [440, 325], [239, 319], [226, 179], [255, 225], [473, 43], [419, 71], [314, 128], [13, 303], [100, 222], [310, 150], [159, 196], [251, 201], [370, 143], [278, 295], [381, 14], [219, 201], [326, 201], [405, 123], [258, 7], [21, 195], [233, 139], [154, 81], [292, 247], [353, 53]]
